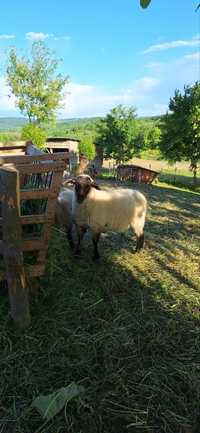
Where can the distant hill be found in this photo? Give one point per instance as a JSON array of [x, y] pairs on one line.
[[15, 123]]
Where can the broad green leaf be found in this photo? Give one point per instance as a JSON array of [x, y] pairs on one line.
[[50, 405], [144, 3]]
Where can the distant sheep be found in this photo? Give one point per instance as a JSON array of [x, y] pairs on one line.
[[106, 210]]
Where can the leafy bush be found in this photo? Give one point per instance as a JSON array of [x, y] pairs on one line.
[[34, 133], [87, 148]]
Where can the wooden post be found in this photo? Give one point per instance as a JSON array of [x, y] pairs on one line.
[[12, 241]]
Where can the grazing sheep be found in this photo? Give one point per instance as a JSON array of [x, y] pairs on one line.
[[63, 213], [106, 210]]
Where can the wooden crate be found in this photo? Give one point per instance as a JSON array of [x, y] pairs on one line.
[[135, 174], [31, 185]]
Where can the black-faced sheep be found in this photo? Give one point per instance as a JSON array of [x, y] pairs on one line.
[[106, 210]]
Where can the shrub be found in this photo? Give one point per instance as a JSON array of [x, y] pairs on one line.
[[34, 133], [87, 148]]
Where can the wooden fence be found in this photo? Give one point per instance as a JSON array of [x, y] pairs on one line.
[[29, 186]]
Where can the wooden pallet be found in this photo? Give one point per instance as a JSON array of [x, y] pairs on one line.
[[26, 183]]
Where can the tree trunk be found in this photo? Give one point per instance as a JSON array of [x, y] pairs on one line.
[[194, 169], [83, 163]]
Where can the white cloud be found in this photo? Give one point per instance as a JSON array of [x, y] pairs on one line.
[[150, 93], [7, 101], [66, 38], [86, 100], [193, 56], [35, 37], [172, 74], [7, 37], [195, 41]]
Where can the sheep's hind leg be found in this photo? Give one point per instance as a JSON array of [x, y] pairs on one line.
[[95, 240], [69, 236], [80, 233]]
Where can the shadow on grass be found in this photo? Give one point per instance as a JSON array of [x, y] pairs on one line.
[[126, 328]]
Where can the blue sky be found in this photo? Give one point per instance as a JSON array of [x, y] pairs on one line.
[[114, 51]]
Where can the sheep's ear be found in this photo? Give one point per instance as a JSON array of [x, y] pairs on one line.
[[69, 181], [94, 185]]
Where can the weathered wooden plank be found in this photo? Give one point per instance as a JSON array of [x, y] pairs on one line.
[[36, 270], [50, 212], [32, 271], [40, 168], [12, 237], [32, 244], [31, 219], [4, 149], [27, 159], [33, 194]]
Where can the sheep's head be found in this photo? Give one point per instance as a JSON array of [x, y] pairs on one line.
[[82, 185]]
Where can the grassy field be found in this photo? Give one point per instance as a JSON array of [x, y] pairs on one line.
[[126, 328], [178, 174]]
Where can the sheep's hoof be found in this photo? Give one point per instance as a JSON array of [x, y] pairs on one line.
[[77, 253], [96, 257], [138, 249], [72, 246]]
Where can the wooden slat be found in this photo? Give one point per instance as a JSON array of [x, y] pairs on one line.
[[40, 168], [33, 194], [6, 148], [27, 159], [12, 237], [31, 219], [33, 271], [50, 212], [36, 270], [32, 244]]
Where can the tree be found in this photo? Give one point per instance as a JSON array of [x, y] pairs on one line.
[[154, 137], [87, 148], [37, 135], [117, 132], [34, 83], [145, 4], [181, 128]]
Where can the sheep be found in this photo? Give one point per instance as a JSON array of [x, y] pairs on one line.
[[106, 210], [63, 213]]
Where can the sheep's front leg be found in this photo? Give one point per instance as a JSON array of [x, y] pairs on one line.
[[95, 239], [80, 233], [140, 242], [138, 228]]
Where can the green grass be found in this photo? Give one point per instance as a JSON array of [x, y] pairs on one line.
[[126, 328], [9, 137], [179, 178]]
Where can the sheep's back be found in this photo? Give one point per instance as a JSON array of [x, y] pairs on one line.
[[111, 210]]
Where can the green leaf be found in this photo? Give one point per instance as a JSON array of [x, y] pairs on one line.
[[144, 3], [50, 405]]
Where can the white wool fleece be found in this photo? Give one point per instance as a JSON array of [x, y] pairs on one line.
[[63, 211], [114, 210]]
